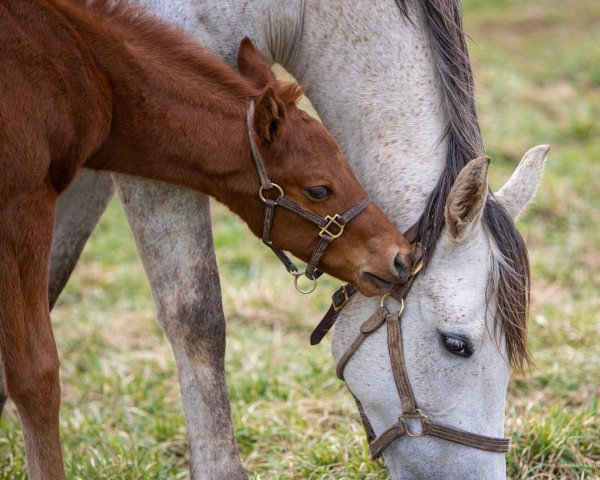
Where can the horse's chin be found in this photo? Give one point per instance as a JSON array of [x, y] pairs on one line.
[[409, 462]]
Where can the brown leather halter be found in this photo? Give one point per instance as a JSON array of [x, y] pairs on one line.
[[332, 226], [409, 406]]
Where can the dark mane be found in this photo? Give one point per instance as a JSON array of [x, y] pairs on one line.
[[443, 19]]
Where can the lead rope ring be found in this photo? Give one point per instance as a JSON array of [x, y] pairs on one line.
[[388, 295], [296, 274], [310, 289]]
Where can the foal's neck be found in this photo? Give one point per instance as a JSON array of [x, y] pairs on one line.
[[178, 111]]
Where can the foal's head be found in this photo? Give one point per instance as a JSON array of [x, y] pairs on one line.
[[302, 157]]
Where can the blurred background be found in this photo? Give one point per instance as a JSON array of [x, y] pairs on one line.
[[537, 67]]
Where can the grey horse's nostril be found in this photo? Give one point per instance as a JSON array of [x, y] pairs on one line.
[[402, 268]]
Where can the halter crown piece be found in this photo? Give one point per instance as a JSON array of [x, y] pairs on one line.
[[377, 444], [331, 226]]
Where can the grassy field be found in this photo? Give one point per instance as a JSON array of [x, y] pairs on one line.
[[538, 74]]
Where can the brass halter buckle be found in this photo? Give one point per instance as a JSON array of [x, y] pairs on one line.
[[416, 414], [337, 308], [332, 221]]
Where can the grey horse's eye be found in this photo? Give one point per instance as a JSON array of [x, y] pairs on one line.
[[319, 192], [457, 345]]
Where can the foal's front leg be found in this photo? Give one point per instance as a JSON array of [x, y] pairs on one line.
[[77, 212], [26, 339], [173, 234]]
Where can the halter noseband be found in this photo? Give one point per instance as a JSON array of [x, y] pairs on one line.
[[332, 226], [409, 406]]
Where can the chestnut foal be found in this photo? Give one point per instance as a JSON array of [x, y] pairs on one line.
[[110, 88]]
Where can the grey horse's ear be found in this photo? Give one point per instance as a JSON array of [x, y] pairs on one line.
[[466, 199], [253, 65], [521, 187]]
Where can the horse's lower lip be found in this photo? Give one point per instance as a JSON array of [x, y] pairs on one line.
[[380, 283]]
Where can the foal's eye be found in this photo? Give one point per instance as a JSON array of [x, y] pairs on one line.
[[457, 346], [320, 192]]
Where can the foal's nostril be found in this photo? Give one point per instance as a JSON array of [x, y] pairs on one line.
[[402, 268]]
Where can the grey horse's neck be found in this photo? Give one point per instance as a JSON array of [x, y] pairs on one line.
[[371, 75], [369, 72], [275, 26]]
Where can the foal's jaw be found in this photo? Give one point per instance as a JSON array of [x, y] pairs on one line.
[[377, 282], [370, 284], [376, 277]]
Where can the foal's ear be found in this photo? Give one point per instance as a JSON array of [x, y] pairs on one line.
[[269, 115], [253, 65], [466, 199], [524, 182]]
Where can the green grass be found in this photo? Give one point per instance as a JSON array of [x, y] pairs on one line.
[[538, 76]]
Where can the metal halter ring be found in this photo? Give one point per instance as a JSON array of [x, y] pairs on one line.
[[389, 294], [311, 289], [416, 414], [273, 185], [417, 268]]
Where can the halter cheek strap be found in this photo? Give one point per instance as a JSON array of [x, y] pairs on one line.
[[331, 226], [410, 411]]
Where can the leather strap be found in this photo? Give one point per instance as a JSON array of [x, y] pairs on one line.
[[491, 444], [355, 211], [481, 442], [311, 268], [325, 224], [268, 223], [371, 325], [384, 440], [397, 359], [258, 161], [338, 300], [298, 210], [409, 406]]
